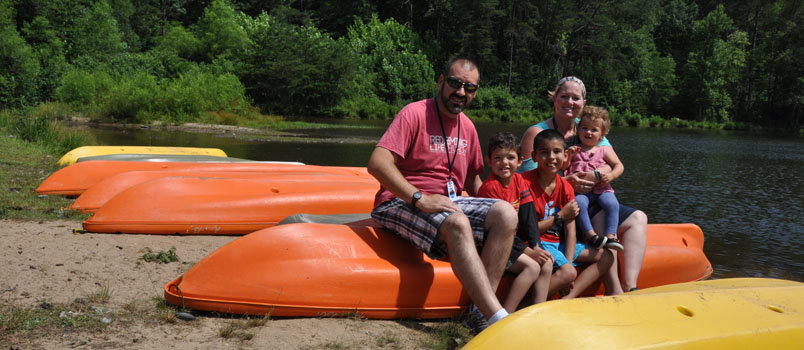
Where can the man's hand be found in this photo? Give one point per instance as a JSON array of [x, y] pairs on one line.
[[581, 181], [433, 203]]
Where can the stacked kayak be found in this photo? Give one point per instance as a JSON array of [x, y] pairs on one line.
[[736, 313], [98, 194], [90, 151], [309, 269], [137, 157], [77, 178], [193, 204]]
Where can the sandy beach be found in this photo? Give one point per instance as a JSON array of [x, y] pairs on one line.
[[101, 281]]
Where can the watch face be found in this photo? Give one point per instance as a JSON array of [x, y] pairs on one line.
[[417, 195]]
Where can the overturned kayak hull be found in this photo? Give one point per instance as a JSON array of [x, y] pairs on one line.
[[229, 205], [736, 313], [307, 269], [77, 178], [88, 151], [97, 195], [138, 157]]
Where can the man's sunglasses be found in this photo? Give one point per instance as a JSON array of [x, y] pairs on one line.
[[456, 84]]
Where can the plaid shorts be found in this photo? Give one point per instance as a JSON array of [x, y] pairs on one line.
[[421, 229]]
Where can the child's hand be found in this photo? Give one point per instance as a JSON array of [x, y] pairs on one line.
[[540, 255], [606, 178], [570, 210], [572, 151]]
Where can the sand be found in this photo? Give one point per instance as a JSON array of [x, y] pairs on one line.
[[44, 264]]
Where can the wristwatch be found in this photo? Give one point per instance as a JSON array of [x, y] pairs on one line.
[[557, 220], [415, 198]]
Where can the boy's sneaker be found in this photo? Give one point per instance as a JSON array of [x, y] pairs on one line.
[[596, 241], [474, 320], [613, 243]]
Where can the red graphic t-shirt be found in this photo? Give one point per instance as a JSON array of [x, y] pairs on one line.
[[517, 192], [545, 205]]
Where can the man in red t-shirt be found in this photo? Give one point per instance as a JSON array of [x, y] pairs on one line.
[[427, 157]]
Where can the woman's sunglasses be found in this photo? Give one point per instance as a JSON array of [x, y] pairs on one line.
[[456, 84]]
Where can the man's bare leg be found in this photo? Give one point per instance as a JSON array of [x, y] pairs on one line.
[[500, 225], [479, 278]]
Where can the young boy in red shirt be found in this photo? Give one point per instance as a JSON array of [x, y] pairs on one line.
[[555, 207], [535, 266]]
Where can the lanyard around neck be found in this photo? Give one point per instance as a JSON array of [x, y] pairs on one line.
[[450, 162]]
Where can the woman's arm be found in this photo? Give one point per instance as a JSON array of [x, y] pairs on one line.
[[527, 141], [614, 162]]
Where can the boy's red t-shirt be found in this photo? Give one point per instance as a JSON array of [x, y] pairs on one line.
[[545, 205], [517, 192]]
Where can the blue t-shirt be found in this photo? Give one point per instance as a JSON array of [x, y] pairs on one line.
[[529, 164]]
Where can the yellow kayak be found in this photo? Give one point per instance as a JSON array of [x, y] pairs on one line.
[[89, 151], [734, 313]]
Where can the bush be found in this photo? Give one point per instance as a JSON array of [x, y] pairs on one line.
[[37, 128], [186, 98], [497, 104], [656, 121], [371, 107], [141, 98]]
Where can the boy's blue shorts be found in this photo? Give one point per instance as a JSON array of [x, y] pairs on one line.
[[557, 251]]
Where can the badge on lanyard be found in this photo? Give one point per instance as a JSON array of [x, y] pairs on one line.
[[451, 189], [450, 162]]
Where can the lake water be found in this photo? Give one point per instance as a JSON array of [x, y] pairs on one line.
[[744, 190]]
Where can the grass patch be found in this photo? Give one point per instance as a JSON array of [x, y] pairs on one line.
[[102, 295], [238, 328], [447, 335], [23, 167], [48, 318], [162, 257], [389, 340]]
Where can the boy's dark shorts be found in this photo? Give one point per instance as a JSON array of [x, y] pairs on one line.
[[516, 251]]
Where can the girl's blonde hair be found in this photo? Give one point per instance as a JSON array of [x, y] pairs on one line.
[[597, 113]]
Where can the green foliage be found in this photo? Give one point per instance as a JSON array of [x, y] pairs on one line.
[[95, 35], [37, 126], [162, 257], [25, 164], [713, 65], [186, 98], [734, 62], [49, 50], [391, 60], [142, 98], [359, 107], [19, 66], [294, 70], [220, 33], [497, 103]]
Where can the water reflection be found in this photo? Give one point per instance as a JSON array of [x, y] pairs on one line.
[[744, 190]]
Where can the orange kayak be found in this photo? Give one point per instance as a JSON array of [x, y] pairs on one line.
[[309, 269], [74, 179], [214, 205], [98, 194]]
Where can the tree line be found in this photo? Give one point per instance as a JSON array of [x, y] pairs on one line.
[[657, 62]]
